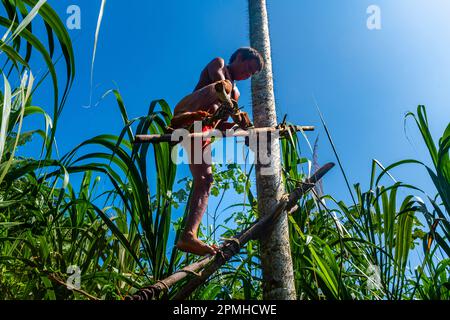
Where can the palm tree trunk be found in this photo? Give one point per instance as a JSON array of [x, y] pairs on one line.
[[278, 275]]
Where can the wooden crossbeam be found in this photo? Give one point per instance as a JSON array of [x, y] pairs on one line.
[[157, 138]]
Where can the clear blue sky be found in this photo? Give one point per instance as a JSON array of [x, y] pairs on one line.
[[364, 80]]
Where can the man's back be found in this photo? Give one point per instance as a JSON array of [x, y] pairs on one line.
[[214, 71]]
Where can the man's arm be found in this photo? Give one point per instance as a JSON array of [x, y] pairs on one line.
[[216, 72]]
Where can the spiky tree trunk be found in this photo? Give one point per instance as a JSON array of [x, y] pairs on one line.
[[278, 276]]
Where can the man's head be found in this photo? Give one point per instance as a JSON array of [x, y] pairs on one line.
[[245, 62]]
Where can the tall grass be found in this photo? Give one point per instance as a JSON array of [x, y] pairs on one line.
[[363, 250], [118, 238], [46, 225]]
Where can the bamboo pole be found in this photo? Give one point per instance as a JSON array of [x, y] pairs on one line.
[[231, 247], [153, 291], [157, 138]]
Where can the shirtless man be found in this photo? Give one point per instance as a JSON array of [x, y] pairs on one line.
[[203, 102]]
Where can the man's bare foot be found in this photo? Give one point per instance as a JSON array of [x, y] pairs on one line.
[[194, 245]]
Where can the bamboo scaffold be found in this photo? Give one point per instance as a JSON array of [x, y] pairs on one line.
[[170, 137], [203, 269]]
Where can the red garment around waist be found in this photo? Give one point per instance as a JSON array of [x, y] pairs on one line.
[[206, 128]]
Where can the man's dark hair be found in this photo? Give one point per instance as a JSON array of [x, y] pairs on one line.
[[248, 53]]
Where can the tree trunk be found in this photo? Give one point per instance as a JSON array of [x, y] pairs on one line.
[[278, 275]]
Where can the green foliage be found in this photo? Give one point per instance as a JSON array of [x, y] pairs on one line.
[[45, 225], [362, 251], [106, 206]]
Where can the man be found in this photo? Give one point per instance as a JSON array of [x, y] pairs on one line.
[[201, 104]]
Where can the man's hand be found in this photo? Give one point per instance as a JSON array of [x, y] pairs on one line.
[[235, 94], [226, 109], [242, 120]]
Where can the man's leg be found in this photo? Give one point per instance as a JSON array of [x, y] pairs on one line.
[[206, 99], [203, 179]]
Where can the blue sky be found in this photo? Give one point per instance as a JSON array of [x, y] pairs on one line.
[[363, 80]]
